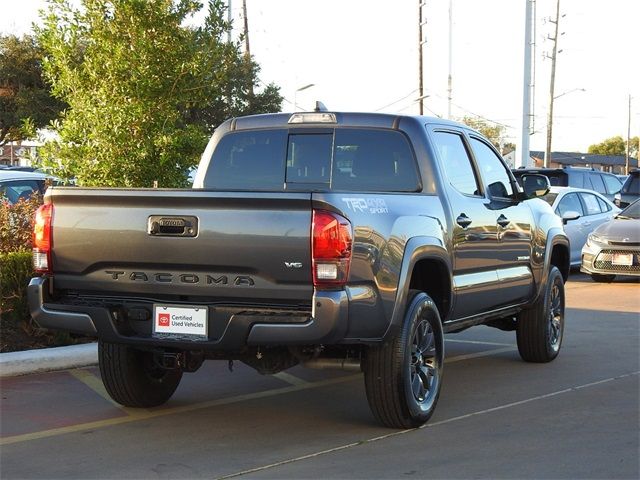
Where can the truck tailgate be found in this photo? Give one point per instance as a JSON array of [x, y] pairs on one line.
[[244, 246]]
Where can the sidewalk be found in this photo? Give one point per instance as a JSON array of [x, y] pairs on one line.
[[48, 359]]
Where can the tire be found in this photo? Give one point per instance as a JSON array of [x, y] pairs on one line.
[[540, 329], [132, 379], [602, 278], [403, 385]]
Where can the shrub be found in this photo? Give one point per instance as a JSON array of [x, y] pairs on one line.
[[16, 224], [16, 269]]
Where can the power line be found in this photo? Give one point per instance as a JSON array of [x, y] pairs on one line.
[[399, 100]]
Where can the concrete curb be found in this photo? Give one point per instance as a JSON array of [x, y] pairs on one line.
[[48, 359]]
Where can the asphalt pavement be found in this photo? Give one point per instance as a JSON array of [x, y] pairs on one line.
[[498, 417]]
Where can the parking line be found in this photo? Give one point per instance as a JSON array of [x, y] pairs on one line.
[[487, 353], [428, 425], [477, 342], [288, 378], [161, 412], [95, 384], [141, 414]]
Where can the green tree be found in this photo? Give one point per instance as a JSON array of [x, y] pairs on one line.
[[615, 146], [25, 101], [493, 131], [144, 90]]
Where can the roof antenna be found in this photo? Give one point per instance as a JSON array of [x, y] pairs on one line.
[[320, 107]]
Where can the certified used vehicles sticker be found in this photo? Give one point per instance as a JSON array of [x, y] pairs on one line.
[[180, 320]]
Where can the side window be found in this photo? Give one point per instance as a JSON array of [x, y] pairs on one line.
[[577, 179], [492, 170], [598, 184], [592, 206], [309, 158], [612, 183], [456, 162], [570, 203], [604, 206]]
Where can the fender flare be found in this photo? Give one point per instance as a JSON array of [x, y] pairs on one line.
[[416, 249], [556, 236]]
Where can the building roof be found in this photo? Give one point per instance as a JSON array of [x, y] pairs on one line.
[[578, 158]]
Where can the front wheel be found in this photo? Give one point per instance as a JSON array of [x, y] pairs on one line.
[[540, 329], [132, 378], [404, 376]]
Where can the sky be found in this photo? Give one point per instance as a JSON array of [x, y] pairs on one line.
[[362, 55]]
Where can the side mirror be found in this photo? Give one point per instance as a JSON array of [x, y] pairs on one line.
[[570, 215], [535, 185]]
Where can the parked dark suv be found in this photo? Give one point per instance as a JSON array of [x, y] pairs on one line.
[[604, 183], [630, 190]]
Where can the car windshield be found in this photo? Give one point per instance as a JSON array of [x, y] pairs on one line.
[[632, 211], [550, 198]]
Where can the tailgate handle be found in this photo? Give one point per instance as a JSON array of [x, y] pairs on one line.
[[172, 226]]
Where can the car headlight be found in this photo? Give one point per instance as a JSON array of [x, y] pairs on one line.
[[594, 239]]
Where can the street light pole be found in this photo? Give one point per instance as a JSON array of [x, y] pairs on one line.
[[295, 95], [420, 67], [627, 155]]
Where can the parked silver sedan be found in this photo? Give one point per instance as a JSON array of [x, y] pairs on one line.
[[582, 211], [614, 247]]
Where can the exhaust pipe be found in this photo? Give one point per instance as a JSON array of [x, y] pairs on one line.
[[349, 364]]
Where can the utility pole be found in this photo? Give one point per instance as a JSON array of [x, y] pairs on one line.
[[420, 44], [247, 50], [522, 143], [229, 19], [554, 54], [449, 79], [628, 156]]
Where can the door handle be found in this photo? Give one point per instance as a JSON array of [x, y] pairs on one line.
[[503, 221], [172, 226], [463, 220]]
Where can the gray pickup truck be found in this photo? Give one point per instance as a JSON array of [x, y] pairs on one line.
[[325, 239]]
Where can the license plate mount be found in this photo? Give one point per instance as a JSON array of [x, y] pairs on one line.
[[622, 259], [190, 321]]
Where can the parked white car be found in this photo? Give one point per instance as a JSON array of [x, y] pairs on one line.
[[582, 211]]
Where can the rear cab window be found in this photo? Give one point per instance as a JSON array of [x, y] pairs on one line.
[[342, 159]]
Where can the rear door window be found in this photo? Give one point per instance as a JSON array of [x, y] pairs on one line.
[[598, 184], [604, 206], [612, 183], [456, 162], [592, 206], [577, 179]]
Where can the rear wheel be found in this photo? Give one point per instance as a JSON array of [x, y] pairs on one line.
[[132, 378], [602, 278], [404, 376], [540, 329]]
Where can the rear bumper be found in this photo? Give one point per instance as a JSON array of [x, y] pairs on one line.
[[234, 328]]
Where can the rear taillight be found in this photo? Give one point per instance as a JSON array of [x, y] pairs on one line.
[[42, 239], [331, 242]]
